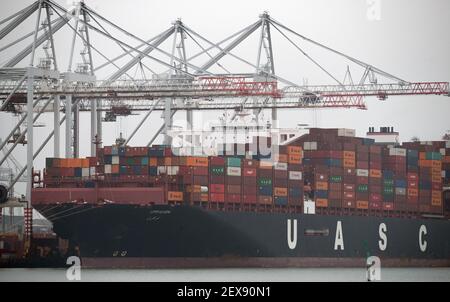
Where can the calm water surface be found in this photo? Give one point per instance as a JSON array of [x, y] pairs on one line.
[[230, 275]]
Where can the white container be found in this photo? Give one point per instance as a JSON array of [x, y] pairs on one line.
[[362, 172], [447, 144], [233, 171], [84, 172], [295, 175], [115, 160], [397, 152], [107, 169], [346, 132], [92, 171], [173, 170], [442, 150], [281, 166], [204, 189], [161, 170], [310, 145], [400, 191]]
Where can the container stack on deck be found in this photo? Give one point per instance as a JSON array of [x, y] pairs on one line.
[[340, 172]]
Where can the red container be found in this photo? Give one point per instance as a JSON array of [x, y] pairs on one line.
[[413, 176], [202, 171], [233, 198], [362, 156], [335, 186], [362, 164], [265, 173], [335, 194], [216, 188], [360, 180], [321, 177], [295, 183], [388, 206], [375, 197], [234, 189], [335, 203], [349, 204], [248, 163], [349, 195], [249, 181], [250, 172], [349, 172], [412, 199], [280, 182], [349, 178], [375, 165], [375, 205], [349, 187], [216, 197], [280, 174], [107, 150], [217, 179], [375, 181], [436, 186], [265, 200], [295, 167], [413, 184], [375, 189], [400, 198], [295, 201], [217, 161], [200, 180], [251, 199], [362, 196], [233, 180], [249, 190]]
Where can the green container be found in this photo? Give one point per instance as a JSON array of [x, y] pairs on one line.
[[362, 188], [336, 178], [49, 162], [130, 161], [144, 161], [233, 162], [433, 156], [388, 182], [388, 190], [264, 181], [217, 170]]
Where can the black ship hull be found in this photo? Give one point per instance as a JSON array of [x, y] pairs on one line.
[[189, 236]]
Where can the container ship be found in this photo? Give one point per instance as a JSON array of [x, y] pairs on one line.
[[320, 198]]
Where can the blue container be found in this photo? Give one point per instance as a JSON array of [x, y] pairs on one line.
[[333, 162], [153, 171], [156, 153], [89, 184], [77, 172], [400, 183], [321, 194], [413, 161], [306, 161], [265, 190], [412, 154], [368, 141], [280, 201], [144, 161], [388, 174], [137, 170], [108, 159], [425, 184], [121, 151], [123, 170], [295, 192], [115, 150]]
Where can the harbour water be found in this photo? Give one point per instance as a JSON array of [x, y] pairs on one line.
[[229, 275]]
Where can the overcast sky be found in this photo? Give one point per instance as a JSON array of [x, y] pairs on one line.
[[407, 38]]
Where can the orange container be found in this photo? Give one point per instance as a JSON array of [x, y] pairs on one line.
[[413, 192], [436, 164], [321, 203], [375, 173], [436, 194], [265, 164], [167, 161], [204, 197], [436, 201], [425, 163], [195, 161], [446, 159], [362, 204], [349, 163], [281, 158], [115, 169], [174, 196], [194, 189], [64, 163], [153, 161], [436, 178], [321, 185], [291, 150], [349, 155], [85, 163], [422, 156], [280, 191], [294, 159]]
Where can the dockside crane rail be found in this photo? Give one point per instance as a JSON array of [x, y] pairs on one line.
[[169, 80]]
